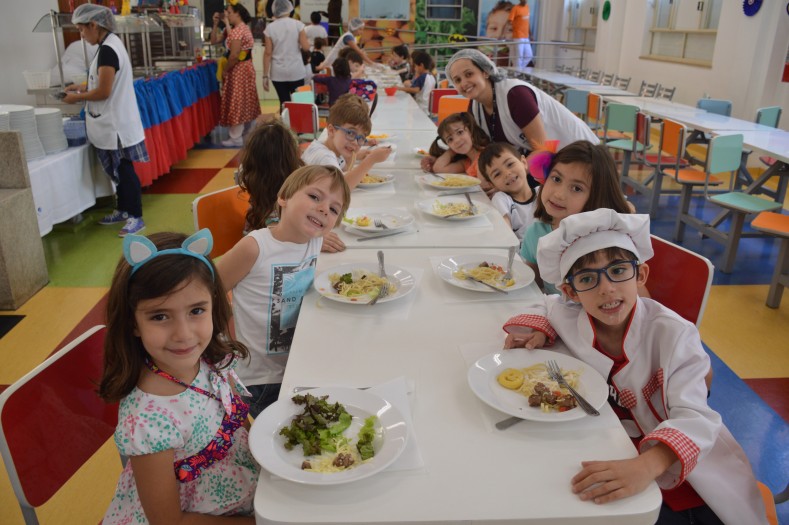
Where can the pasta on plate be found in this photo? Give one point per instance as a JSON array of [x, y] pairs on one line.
[[360, 282], [460, 209], [454, 181], [542, 391], [485, 272]]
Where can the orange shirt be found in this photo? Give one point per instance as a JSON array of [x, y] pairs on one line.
[[519, 16]]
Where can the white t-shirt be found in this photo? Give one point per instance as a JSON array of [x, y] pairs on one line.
[[521, 214], [315, 31], [319, 154], [266, 304], [286, 62], [423, 97]]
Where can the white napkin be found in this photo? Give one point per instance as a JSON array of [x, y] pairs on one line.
[[472, 352], [452, 294], [399, 309], [400, 392]]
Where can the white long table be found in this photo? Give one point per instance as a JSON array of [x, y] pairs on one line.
[[400, 112], [65, 184], [472, 472]]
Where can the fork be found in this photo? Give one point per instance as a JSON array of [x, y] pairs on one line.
[[556, 374], [380, 224], [471, 204], [384, 291], [510, 256]]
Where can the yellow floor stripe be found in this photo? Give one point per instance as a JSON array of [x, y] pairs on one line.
[[207, 158], [50, 316], [223, 179]]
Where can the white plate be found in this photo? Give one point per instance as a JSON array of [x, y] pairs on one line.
[[267, 445], [482, 380], [389, 179], [381, 136], [436, 182], [427, 207], [421, 152], [393, 219], [400, 277], [522, 274]]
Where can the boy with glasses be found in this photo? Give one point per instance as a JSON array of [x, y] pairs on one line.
[[655, 366], [347, 128]]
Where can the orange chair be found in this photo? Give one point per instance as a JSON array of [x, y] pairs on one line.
[[679, 279], [449, 104], [443, 84], [52, 421], [769, 503], [435, 96], [224, 213], [778, 225], [304, 88], [302, 117]]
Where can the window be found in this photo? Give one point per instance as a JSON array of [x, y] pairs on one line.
[[444, 9], [684, 31], [582, 23]]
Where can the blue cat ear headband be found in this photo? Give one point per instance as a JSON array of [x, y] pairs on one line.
[[138, 250]]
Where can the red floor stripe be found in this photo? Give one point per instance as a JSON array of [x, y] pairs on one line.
[[773, 391], [186, 180]]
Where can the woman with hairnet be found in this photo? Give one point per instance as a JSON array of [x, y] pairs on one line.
[[511, 110], [111, 114], [282, 60], [239, 103], [355, 28]]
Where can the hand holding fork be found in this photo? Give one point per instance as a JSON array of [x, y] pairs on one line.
[[556, 374]]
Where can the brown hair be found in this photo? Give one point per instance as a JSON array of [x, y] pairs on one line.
[[124, 354], [479, 139], [310, 174], [353, 56], [269, 156], [494, 151], [604, 188], [350, 109]]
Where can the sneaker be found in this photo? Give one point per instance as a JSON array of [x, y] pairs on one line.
[[114, 218], [133, 225], [233, 143]]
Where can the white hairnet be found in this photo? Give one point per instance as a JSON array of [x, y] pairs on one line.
[[479, 60], [355, 23], [281, 8], [87, 13]]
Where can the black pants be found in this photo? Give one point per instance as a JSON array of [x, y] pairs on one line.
[[696, 516], [284, 89], [129, 190]]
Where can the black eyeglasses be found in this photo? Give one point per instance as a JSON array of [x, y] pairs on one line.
[[352, 135], [589, 279]]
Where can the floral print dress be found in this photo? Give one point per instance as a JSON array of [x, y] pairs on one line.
[[239, 102], [190, 423]]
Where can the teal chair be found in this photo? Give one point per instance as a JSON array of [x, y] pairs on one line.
[[622, 118], [577, 101], [724, 155], [769, 116], [307, 97], [710, 105]]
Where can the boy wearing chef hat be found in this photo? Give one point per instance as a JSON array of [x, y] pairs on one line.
[[655, 365]]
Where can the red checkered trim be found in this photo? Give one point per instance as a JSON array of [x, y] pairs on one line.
[[686, 450], [654, 384], [628, 399], [535, 322]]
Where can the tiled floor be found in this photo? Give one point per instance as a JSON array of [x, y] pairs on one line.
[[747, 340]]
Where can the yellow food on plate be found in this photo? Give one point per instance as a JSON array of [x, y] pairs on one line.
[[373, 179], [377, 136], [458, 182], [420, 151], [511, 378], [485, 272], [459, 209], [360, 282], [363, 221]]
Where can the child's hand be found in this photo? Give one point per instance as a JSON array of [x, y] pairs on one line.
[[362, 154], [427, 164], [332, 243], [407, 83], [379, 154], [535, 339], [606, 481], [372, 142]]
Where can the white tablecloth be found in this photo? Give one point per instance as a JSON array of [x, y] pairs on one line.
[[66, 184]]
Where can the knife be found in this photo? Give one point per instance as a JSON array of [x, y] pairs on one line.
[[486, 284], [456, 192], [362, 239]]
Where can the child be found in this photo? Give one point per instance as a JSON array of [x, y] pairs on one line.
[[340, 83], [347, 126], [355, 61], [654, 364], [315, 29], [399, 61], [317, 56], [581, 177], [507, 170], [424, 82], [465, 141], [270, 269], [169, 358]]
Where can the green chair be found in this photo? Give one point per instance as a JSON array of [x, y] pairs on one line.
[[307, 97], [577, 101], [622, 118], [724, 155], [769, 116]]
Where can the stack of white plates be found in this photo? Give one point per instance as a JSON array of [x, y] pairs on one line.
[[5, 121], [49, 122], [23, 118]]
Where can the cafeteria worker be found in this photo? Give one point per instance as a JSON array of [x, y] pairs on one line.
[[111, 114]]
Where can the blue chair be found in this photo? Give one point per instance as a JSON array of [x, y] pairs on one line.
[[577, 101], [724, 155]]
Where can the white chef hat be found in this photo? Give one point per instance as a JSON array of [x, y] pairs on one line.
[[355, 23], [86, 13], [281, 8], [584, 233]]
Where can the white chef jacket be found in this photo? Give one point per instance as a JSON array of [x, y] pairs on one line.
[[662, 383]]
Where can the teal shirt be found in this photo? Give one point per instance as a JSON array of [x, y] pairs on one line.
[[529, 248]]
